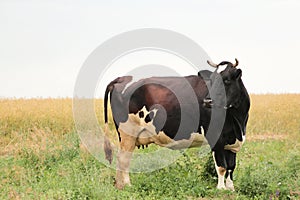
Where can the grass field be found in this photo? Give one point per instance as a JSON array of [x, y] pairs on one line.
[[41, 157]]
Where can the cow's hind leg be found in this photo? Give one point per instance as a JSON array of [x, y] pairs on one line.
[[127, 146], [220, 164], [231, 163]]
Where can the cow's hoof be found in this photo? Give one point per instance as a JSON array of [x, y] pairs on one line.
[[121, 186], [221, 187], [229, 185], [230, 188]]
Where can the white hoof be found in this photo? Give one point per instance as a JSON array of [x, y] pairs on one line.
[[229, 184], [221, 187]]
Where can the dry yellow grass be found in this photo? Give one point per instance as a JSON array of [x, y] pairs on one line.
[[275, 115], [22, 115], [35, 122]]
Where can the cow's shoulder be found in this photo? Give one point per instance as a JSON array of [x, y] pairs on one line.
[[205, 74]]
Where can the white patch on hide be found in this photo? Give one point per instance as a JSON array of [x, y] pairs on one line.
[[145, 133], [236, 147], [229, 182], [221, 177], [196, 140], [244, 139], [202, 130]]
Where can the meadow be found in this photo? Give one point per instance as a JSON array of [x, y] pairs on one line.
[[42, 157]]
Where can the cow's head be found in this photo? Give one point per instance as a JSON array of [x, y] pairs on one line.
[[226, 84]]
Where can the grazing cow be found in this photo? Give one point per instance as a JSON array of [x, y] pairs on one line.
[[161, 110]]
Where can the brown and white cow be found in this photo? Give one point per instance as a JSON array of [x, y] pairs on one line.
[[161, 110]]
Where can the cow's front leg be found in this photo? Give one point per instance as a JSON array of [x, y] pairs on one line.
[[127, 146], [219, 160], [231, 163], [229, 180]]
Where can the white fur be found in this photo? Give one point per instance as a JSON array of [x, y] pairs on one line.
[[145, 133], [221, 184], [229, 182], [236, 147], [244, 138]]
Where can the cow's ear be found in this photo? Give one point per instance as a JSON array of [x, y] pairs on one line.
[[238, 73]]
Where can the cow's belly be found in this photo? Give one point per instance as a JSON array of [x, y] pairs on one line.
[[161, 139], [144, 133]]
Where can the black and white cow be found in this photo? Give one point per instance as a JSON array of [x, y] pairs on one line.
[[161, 110]]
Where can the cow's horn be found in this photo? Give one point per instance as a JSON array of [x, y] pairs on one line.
[[212, 64], [236, 63]]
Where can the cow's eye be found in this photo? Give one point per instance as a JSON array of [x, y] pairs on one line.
[[227, 82]]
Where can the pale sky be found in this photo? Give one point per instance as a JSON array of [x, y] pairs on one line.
[[43, 44]]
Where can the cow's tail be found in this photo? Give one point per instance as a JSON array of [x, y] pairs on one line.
[[108, 90], [107, 145], [118, 84]]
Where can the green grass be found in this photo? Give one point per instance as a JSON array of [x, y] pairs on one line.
[[39, 162], [263, 172]]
